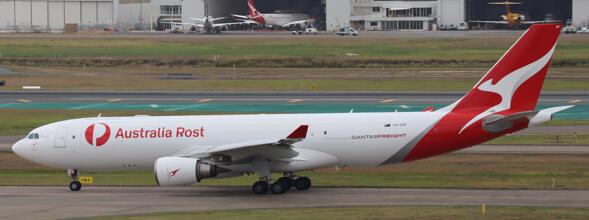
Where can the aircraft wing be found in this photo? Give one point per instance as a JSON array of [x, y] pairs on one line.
[[489, 22], [280, 148], [177, 23], [541, 22], [302, 22], [234, 23], [244, 17], [198, 19], [216, 19]]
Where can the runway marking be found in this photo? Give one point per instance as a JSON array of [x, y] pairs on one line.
[[88, 106], [387, 100], [286, 99], [181, 108], [204, 100], [575, 101], [7, 104], [115, 100], [25, 100], [295, 100]]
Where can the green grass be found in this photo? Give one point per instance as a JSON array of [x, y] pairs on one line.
[[376, 212], [568, 122], [580, 139], [297, 52], [151, 84], [398, 48]]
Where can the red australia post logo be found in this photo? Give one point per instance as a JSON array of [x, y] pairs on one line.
[[97, 135]]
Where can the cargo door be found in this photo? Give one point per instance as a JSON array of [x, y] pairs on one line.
[[60, 137]]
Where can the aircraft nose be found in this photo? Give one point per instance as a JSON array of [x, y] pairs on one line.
[[18, 149]]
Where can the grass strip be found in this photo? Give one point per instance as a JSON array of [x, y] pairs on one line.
[[376, 212]]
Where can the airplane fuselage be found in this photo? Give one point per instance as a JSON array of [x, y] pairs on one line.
[[279, 20], [131, 143]]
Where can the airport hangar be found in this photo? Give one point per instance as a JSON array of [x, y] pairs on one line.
[[52, 15]]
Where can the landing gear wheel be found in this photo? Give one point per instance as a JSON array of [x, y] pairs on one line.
[[280, 187], [287, 180], [303, 183], [260, 187], [75, 186]]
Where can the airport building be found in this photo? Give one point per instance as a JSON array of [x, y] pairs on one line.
[[53, 15]]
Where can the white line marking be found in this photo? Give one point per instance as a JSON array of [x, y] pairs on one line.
[[181, 108], [7, 104], [88, 106]]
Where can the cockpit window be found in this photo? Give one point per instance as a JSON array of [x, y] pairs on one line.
[[33, 136]]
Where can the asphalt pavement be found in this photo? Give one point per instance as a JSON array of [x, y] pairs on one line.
[[434, 97], [56, 202]]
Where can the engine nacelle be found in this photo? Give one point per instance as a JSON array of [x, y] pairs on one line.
[[176, 171]]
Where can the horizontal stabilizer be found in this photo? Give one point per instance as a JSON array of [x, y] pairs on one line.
[[499, 123], [546, 115]]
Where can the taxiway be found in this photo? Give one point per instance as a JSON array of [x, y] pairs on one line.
[[56, 202]]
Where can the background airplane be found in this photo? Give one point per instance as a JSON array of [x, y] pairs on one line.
[[284, 20], [513, 18], [184, 150], [208, 24]]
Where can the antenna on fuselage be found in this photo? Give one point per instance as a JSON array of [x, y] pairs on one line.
[[98, 117]]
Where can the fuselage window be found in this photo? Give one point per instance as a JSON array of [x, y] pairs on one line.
[[36, 136]]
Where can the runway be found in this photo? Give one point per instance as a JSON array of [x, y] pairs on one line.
[[54, 202], [433, 97], [263, 102]]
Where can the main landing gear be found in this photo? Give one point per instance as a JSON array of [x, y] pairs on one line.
[[282, 184], [75, 184]]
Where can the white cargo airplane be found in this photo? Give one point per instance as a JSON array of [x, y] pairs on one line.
[[284, 20], [184, 150]]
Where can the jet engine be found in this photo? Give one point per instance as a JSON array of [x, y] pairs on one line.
[[175, 171]]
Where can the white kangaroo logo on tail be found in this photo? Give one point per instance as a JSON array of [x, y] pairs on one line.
[[507, 86]]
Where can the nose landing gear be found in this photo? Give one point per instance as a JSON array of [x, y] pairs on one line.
[[75, 184]]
